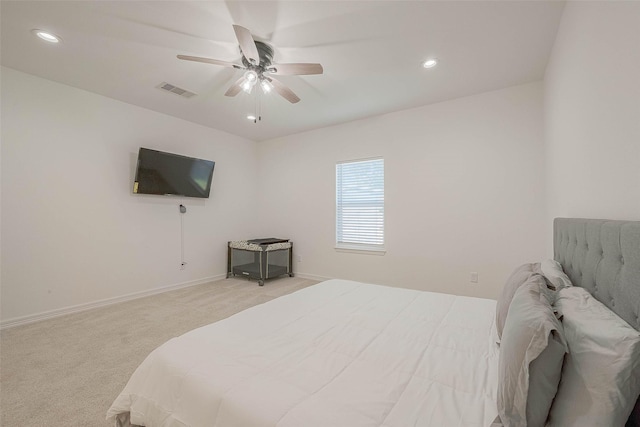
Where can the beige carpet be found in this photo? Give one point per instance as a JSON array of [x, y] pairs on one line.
[[67, 371]]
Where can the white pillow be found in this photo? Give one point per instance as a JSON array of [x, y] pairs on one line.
[[552, 270], [601, 374], [531, 355]]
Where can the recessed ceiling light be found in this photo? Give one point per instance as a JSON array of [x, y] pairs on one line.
[[430, 63], [250, 117], [46, 36]]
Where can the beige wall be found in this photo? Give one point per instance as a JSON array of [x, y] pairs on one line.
[[592, 113], [464, 191], [72, 231]]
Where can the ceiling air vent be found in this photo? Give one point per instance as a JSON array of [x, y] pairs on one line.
[[175, 89]]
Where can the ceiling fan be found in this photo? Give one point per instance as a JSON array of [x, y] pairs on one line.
[[257, 60]]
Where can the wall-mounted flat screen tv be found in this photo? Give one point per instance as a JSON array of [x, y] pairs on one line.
[[172, 174]]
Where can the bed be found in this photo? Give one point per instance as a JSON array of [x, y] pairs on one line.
[[343, 353]]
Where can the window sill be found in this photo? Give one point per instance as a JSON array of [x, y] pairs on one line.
[[361, 250]]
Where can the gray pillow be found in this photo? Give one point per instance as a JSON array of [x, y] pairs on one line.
[[531, 355], [519, 276]]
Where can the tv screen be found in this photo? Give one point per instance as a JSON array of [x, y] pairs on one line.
[[171, 174]]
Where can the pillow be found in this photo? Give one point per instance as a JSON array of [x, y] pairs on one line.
[[552, 270], [519, 276], [531, 355], [601, 375]]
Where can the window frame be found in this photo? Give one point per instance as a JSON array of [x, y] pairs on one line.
[[365, 248]]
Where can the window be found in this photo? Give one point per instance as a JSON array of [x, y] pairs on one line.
[[360, 205]]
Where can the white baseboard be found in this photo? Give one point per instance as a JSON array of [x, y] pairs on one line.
[[17, 321]]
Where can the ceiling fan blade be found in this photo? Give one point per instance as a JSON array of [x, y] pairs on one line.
[[284, 91], [210, 61], [235, 88], [247, 45], [295, 69]]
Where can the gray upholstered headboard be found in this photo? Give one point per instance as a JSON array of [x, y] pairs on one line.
[[603, 257]]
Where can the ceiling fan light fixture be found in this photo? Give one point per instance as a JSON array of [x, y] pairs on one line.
[[430, 63], [266, 86], [247, 85], [250, 80], [251, 76], [46, 36]]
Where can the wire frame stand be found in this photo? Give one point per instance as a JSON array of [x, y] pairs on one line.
[[259, 259]]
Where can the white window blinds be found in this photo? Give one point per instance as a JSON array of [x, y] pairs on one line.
[[360, 204]]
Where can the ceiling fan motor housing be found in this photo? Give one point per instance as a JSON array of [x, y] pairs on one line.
[[266, 57]]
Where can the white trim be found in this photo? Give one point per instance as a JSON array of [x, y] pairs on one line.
[[368, 250], [18, 321], [365, 159]]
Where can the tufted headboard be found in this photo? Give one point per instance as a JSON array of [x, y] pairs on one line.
[[603, 257]]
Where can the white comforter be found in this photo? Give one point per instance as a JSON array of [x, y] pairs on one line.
[[339, 353]]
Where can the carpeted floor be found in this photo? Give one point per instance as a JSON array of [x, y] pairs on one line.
[[67, 371]]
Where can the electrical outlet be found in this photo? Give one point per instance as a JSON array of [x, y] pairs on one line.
[[474, 277], [299, 258]]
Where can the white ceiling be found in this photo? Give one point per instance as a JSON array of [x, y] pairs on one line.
[[371, 52]]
